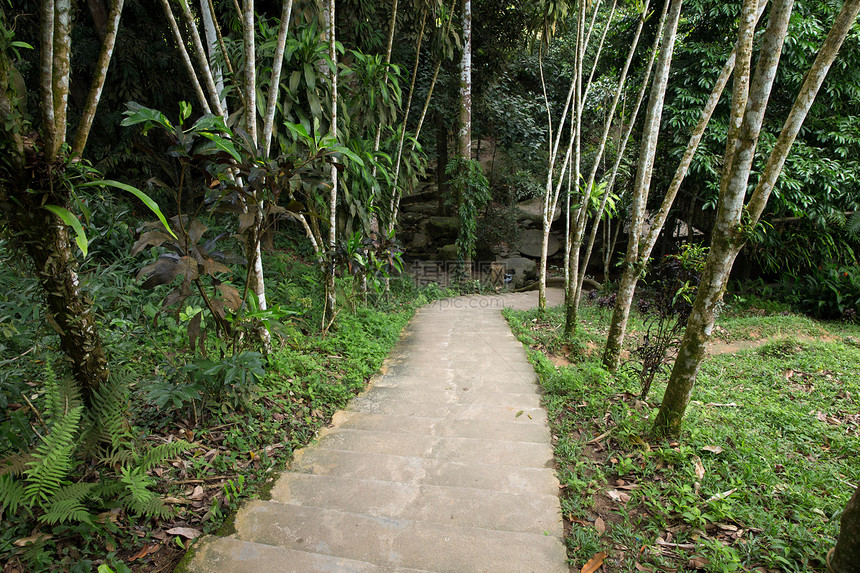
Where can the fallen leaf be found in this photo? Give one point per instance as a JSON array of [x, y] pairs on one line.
[[644, 568], [700, 469], [198, 493], [723, 495], [594, 563], [32, 539], [713, 449], [600, 525], [187, 532], [147, 549], [598, 438], [822, 417], [697, 562], [727, 527], [616, 495]]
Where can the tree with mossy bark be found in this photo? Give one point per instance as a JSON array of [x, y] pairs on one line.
[[40, 169]]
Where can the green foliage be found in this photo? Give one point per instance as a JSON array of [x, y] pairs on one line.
[[47, 482], [781, 415], [470, 192], [829, 291]]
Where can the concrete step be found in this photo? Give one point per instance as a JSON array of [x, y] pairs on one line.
[[446, 505], [230, 555], [482, 451], [454, 393], [402, 543], [369, 403], [492, 429], [414, 470]]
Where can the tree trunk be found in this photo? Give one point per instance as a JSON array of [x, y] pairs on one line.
[[275, 82], [68, 311], [845, 557], [464, 139], [728, 236], [650, 135], [186, 59], [330, 298], [95, 93]]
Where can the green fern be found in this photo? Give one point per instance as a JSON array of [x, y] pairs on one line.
[[52, 460], [853, 225], [11, 494], [106, 421], [161, 453], [16, 464], [139, 498], [68, 505]]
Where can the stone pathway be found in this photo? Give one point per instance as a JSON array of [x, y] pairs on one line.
[[444, 464]]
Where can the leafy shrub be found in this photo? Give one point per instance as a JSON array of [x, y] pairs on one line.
[[829, 291], [666, 306]]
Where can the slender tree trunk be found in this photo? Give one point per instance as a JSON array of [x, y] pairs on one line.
[[727, 236], [648, 150], [406, 109], [61, 73], [95, 93], [581, 218], [576, 125], [211, 34], [395, 195], [274, 86], [464, 138], [845, 557], [46, 76], [330, 301], [186, 59], [202, 59]]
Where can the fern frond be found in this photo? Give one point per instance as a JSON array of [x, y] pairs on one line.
[[153, 507], [11, 494], [108, 489], [137, 484], [68, 504], [138, 498], [106, 420], [161, 453], [15, 464], [52, 459], [116, 457], [853, 225]]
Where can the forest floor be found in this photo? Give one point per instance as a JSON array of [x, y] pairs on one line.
[[766, 462]]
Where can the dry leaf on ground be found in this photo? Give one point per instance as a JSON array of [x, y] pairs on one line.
[[594, 563], [616, 495], [187, 532]]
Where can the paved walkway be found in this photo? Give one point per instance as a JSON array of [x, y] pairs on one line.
[[444, 464]]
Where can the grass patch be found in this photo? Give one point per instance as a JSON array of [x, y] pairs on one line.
[[758, 479]]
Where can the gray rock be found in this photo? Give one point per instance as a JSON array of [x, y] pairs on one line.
[[522, 269], [448, 253], [531, 241], [419, 241], [532, 210], [440, 227]]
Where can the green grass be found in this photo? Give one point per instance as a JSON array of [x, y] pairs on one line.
[[777, 426]]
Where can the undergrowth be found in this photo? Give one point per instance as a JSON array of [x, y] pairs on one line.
[[184, 438], [758, 480]]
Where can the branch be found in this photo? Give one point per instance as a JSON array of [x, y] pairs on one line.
[[102, 66]]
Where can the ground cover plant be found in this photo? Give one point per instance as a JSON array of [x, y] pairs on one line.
[[178, 440], [759, 477]]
